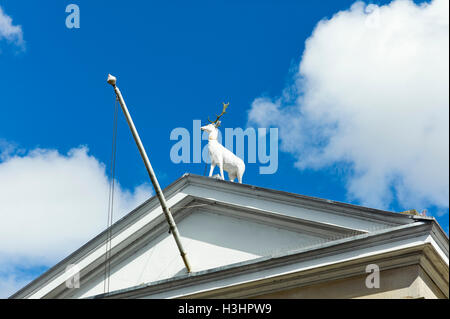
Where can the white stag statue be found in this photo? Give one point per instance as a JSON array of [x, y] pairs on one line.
[[220, 156]]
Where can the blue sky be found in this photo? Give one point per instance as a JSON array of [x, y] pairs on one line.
[[176, 61]]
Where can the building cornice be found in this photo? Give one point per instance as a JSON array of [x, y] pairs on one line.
[[257, 192], [355, 243]]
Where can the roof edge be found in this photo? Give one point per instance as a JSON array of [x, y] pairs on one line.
[[402, 232], [191, 179]]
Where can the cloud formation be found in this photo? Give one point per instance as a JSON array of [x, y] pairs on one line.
[[51, 204], [12, 33], [371, 93]]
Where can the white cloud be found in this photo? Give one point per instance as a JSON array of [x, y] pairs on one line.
[[10, 284], [12, 279], [10, 32], [372, 92], [51, 204]]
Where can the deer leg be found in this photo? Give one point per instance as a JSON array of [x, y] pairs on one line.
[[221, 171], [211, 170]]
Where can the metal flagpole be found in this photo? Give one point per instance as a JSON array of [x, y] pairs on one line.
[[173, 227]]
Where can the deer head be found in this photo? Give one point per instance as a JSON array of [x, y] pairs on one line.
[[212, 127]]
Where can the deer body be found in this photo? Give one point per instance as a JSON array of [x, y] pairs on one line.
[[223, 157]]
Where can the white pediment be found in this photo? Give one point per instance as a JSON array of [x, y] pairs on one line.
[[211, 240], [220, 224]]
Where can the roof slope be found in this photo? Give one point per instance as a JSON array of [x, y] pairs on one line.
[[224, 226]]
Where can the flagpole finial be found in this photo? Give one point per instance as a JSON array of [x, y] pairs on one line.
[[111, 80]]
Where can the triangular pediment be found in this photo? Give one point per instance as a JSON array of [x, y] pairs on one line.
[[220, 224], [213, 237]]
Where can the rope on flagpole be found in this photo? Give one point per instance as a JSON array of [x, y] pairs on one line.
[[106, 282]]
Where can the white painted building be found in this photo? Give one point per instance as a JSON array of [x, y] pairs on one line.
[[249, 242]]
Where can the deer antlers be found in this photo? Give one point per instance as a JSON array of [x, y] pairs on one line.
[[216, 122]]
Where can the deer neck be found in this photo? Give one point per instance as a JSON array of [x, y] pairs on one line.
[[212, 136]]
